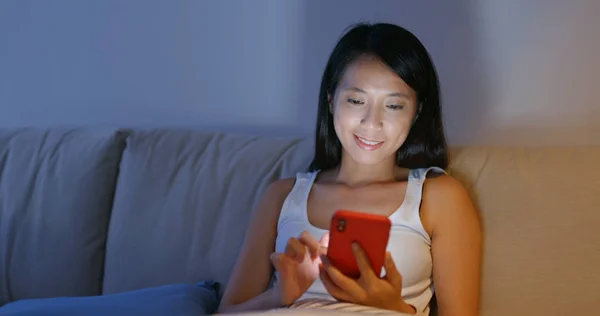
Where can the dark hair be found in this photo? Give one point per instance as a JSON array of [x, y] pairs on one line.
[[403, 53]]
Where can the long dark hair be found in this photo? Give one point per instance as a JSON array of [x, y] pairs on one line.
[[405, 55]]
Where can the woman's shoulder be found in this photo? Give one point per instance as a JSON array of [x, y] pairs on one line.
[[439, 184], [272, 199], [446, 201], [280, 188]]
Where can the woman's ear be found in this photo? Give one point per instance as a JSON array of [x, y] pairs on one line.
[[329, 102]]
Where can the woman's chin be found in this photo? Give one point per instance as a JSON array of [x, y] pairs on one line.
[[367, 158]]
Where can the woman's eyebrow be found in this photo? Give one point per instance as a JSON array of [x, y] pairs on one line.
[[393, 94]]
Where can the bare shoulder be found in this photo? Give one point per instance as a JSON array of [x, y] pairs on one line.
[[279, 189], [438, 186], [269, 205], [445, 201], [282, 185]]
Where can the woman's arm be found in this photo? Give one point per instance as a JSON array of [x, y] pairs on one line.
[[456, 245], [253, 269]]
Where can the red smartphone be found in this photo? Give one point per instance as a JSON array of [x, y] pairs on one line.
[[370, 231]]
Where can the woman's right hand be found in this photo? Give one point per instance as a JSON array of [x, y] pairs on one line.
[[298, 266]]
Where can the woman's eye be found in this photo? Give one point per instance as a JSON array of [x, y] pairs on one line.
[[354, 101], [396, 106]]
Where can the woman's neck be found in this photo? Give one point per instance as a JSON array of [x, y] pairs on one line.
[[357, 175]]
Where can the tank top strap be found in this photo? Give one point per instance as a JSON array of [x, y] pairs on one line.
[[296, 200], [421, 174], [414, 191], [409, 215]]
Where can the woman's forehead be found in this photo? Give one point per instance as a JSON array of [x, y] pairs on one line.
[[367, 74]]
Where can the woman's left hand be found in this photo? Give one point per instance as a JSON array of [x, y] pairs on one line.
[[369, 289]]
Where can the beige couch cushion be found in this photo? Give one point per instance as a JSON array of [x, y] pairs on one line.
[[540, 209]]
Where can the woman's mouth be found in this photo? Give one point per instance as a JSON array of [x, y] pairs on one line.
[[367, 144]]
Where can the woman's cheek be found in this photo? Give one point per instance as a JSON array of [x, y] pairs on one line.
[[348, 115]]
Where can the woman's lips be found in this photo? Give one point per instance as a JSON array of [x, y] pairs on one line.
[[367, 144]]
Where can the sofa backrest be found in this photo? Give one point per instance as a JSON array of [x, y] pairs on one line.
[[183, 201], [540, 209], [56, 192]]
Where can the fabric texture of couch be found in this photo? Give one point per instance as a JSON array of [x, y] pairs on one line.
[[89, 212]]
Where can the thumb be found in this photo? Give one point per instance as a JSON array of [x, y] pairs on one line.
[[324, 240], [391, 273], [324, 243]]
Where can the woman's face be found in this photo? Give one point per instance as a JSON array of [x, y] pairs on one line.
[[373, 111]]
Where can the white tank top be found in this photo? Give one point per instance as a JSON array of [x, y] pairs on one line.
[[409, 243]]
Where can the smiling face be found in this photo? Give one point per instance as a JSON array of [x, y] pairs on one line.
[[373, 111]]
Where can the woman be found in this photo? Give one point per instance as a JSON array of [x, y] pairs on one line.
[[380, 148]]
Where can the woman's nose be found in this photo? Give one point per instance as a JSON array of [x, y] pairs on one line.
[[372, 118]]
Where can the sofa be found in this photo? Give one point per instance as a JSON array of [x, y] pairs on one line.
[[100, 211]]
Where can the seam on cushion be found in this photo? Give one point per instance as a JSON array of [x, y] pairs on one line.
[[121, 138]]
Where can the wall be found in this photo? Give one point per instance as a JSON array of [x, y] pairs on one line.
[[541, 61], [512, 72]]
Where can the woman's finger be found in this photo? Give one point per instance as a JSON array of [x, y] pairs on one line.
[[295, 250], [277, 261], [311, 243], [324, 241], [324, 244], [345, 283], [366, 271], [289, 249], [391, 273], [333, 289]]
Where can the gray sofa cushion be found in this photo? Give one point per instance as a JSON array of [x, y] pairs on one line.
[[56, 189], [183, 202]]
